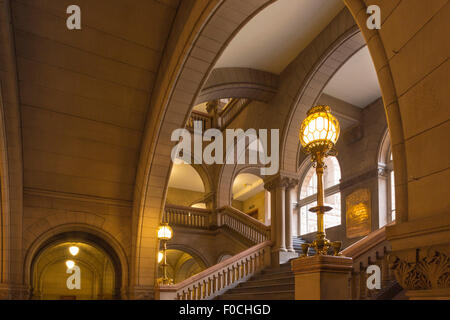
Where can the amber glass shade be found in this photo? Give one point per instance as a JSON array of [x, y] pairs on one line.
[[165, 232], [320, 128]]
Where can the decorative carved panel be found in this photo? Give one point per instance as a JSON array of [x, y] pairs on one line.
[[429, 271], [358, 213]]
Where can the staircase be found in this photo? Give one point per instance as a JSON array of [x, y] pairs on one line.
[[270, 284], [297, 244], [249, 275]]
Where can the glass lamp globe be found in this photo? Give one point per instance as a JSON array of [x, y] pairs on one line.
[[74, 250], [320, 130], [165, 232], [70, 264]]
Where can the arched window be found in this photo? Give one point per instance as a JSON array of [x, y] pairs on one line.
[[391, 188], [308, 197], [386, 185]]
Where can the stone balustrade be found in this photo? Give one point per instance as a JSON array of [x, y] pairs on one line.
[[221, 277], [371, 250], [243, 224], [226, 217], [187, 216]]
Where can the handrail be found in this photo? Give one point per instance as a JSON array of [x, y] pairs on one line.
[[219, 278], [365, 244], [236, 220]]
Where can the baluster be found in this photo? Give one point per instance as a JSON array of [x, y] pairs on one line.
[[189, 294], [261, 260], [224, 279], [362, 284], [245, 267], [214, 284], [219, 281], [233, 274], [355, 285], [210, 284], [199, 291]]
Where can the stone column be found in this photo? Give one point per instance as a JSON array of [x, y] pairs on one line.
[[291, 183], [212, 107], [267, 208], [322, 277], [280, 216], [270, 187], [277, 187]]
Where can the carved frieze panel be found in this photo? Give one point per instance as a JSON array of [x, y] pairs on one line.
[[430, 270]]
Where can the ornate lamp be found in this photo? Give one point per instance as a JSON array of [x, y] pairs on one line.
[[165, 233], [318, 135]]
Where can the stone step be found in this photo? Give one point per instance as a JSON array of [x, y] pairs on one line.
[[277, 295], [272, 275], [263, 288], [282, 268], [289, 279]]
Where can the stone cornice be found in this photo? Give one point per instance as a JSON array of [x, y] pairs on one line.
[[76, 197]]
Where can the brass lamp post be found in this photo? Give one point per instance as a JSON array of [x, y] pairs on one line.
[[318, 135], [165, 233]]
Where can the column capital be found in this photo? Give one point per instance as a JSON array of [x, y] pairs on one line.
[[211, 106], [287, 182]]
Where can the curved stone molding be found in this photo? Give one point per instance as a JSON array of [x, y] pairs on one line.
[[430, 271], [11, 157], [239, 83], [184, 72]]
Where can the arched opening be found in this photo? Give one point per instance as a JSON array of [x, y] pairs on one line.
[[250, 197], [186, 187], [166, 102], [75, 266], [182, 265]]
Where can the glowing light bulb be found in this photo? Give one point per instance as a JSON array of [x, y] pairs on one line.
[[160, 256], [70, 264], [74, 250]]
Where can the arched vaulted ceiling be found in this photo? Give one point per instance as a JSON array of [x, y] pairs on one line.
[[274, 37], [84, 94]]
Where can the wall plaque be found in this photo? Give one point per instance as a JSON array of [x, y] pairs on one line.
[[358, 214]]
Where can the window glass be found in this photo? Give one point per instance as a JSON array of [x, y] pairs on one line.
[[308, 191]]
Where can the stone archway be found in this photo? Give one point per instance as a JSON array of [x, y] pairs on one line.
[[178, 89], [331, 52], [188, 69], [82, 233], [225, 183]]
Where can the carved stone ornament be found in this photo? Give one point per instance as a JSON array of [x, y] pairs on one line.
[[430, 271]]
